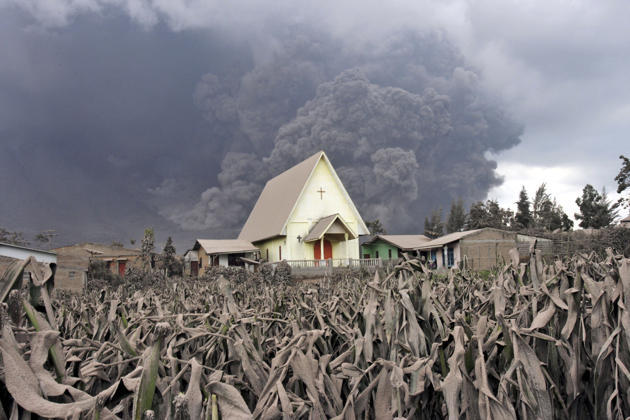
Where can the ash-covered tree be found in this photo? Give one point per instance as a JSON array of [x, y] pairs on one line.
[[523, 218], [375, 227], [623, 182], [433, 226], [46, 237], [489, 214], [169, 260], [146, 250], [596, 211], [456, 217], [15, 238]]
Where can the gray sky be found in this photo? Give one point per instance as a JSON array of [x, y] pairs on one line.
[[107, 123]]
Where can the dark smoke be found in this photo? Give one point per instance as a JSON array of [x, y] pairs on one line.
[[405, 123], [107, 128]]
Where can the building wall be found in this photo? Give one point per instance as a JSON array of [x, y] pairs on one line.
[[223, 260], [383, 249], [269, 249], [72, 279], [204, 260], [310, 208], [487, 248], [73, 262]]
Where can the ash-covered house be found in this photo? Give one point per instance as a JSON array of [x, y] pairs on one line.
[[74, 261], [220, 252], [482, 249], [391, 247], [9, 253]]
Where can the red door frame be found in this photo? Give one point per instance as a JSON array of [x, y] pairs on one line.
[[122, 265], [194, 268], [327, 250]]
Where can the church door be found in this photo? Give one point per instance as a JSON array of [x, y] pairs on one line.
[[327, 250]]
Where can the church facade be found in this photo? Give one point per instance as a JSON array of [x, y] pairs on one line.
[[305, 213]]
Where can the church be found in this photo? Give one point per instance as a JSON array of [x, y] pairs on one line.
[[305, 213]]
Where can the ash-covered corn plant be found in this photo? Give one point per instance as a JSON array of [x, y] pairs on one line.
[[532, 340]]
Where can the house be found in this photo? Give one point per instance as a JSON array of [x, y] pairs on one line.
[[74, 261], [391, 247], [17, 252], [220, 252], [191, 263], [625, 222], [482, 249], [9, 253], [305, 213]]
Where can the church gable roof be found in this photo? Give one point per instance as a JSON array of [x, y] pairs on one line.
[[279, 198], [327, 225]]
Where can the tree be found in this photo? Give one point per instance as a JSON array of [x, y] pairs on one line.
[[375, 227], [623, 181], [146, 250], [433, 226], [489, 214], [567, 224], [15, 238], [168, 256], [456, 217], [46, 237], [541, 207], [596, 211], [523, 216]]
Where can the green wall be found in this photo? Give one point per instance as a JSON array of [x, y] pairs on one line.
[[382, 248]]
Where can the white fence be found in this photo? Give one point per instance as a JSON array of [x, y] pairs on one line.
[[339, 262]]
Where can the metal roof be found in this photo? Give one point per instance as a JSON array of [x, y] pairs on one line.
[[280, 196], [324, 225], [447, 239], [225, 246], [404, 242], [28, 248]]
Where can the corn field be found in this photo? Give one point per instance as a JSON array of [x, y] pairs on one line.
[[528, 341]]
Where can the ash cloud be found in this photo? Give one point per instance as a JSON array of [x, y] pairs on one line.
[[185, 130], [407, 126]]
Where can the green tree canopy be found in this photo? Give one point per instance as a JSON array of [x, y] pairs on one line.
[[596, 211], [623, 181], [489, 214], [523, 218], [456, 217]]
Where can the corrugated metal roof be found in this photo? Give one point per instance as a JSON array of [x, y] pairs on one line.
[[278, 199], [404, 242], [26, 248], [324, 224], [225, 246], [447, 239]]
